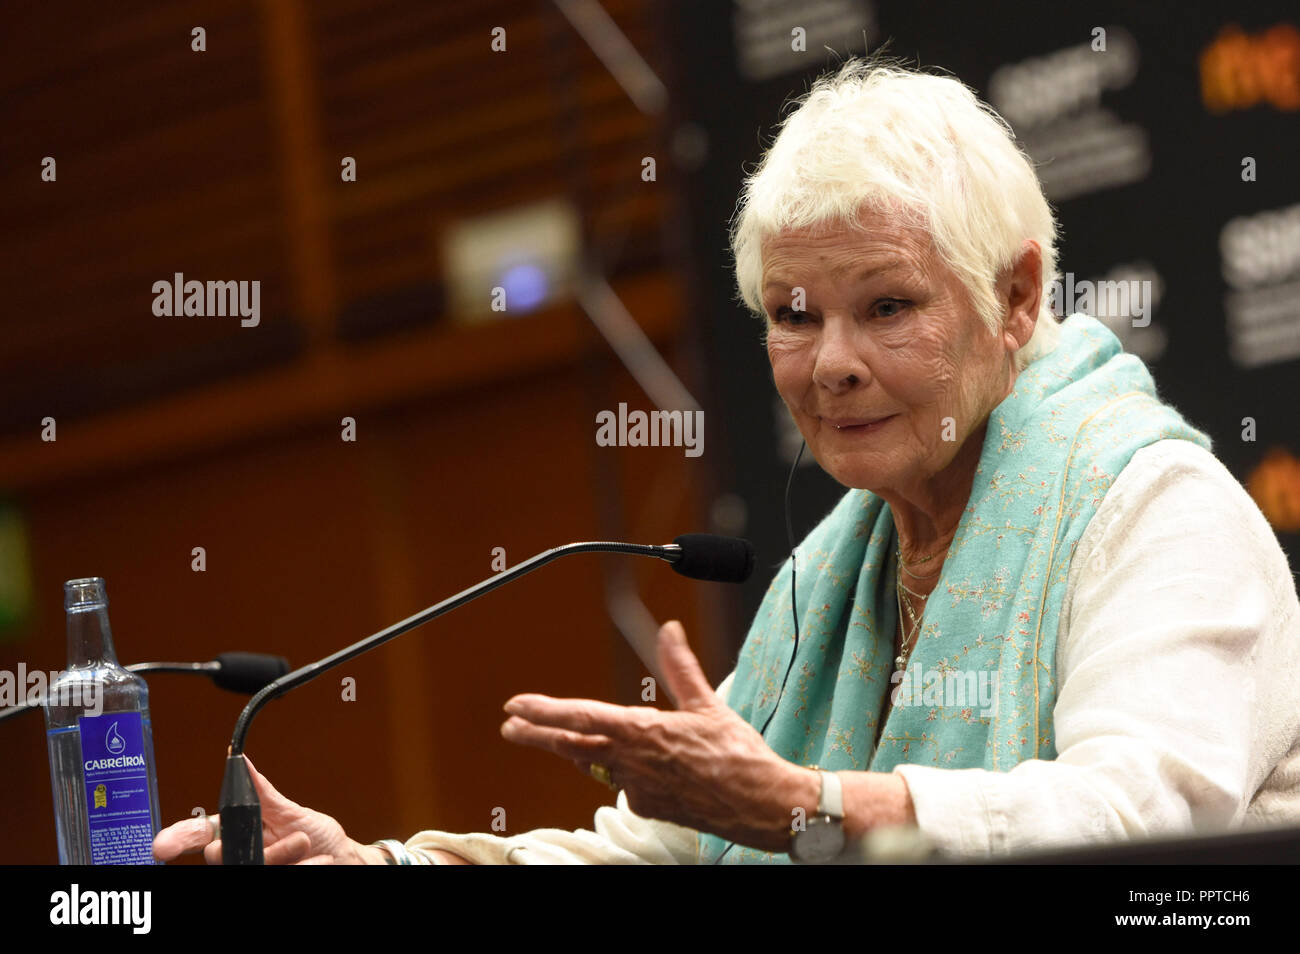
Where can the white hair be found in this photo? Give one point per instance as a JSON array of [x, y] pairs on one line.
[[892, 139]]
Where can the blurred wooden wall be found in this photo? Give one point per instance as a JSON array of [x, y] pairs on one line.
[[175, 433]]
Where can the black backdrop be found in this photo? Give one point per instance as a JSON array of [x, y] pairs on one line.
[[1146, 166]]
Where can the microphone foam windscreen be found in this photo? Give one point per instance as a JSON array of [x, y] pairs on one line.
[[707, 556], [248, 672]]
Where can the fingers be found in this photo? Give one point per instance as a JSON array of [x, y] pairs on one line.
[[686, 681], [585, 716], [212, 853], [289, 850], [183, 838], [266, 792], [562, 742], [196, 834]]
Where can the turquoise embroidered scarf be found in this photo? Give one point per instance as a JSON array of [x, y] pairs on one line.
[[979, 687]]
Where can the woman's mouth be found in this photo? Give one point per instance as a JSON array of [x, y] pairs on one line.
[[858, 425]]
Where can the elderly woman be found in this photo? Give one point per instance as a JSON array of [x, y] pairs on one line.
[[1043, 613]]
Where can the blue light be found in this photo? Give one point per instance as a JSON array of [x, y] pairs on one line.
[[526, 287]]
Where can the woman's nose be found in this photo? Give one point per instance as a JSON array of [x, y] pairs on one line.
[[838, 365]]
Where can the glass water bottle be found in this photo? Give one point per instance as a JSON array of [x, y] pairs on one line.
[[101, 743]]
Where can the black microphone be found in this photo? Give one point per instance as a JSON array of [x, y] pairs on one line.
[[702, 556], [236, 672], [248, 672], [707, 556]]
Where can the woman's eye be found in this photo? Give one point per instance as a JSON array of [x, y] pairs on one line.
[[881, 308], [892, 306]]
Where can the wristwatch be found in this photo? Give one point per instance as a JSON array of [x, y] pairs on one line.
[[822, 837]]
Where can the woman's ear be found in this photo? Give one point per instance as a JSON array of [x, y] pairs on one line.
[[1021, 292]]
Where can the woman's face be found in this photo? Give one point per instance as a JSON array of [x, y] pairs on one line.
[[885, 333]]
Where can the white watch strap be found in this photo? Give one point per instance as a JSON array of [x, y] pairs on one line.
[[831, 801], [396, 851]]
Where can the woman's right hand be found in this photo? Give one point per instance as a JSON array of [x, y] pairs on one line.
[[291, 834]]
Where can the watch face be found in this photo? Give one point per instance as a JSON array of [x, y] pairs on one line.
[[820, 842]]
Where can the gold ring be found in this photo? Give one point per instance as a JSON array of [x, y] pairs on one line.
[[601, 774]]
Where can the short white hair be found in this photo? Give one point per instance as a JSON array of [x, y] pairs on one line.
[[892, 139]]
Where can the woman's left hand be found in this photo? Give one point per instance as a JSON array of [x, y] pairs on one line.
[[702, 766]]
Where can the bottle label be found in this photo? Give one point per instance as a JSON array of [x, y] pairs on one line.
[[117, 789]]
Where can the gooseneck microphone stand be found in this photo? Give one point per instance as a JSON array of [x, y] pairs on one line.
[[702, 556]]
